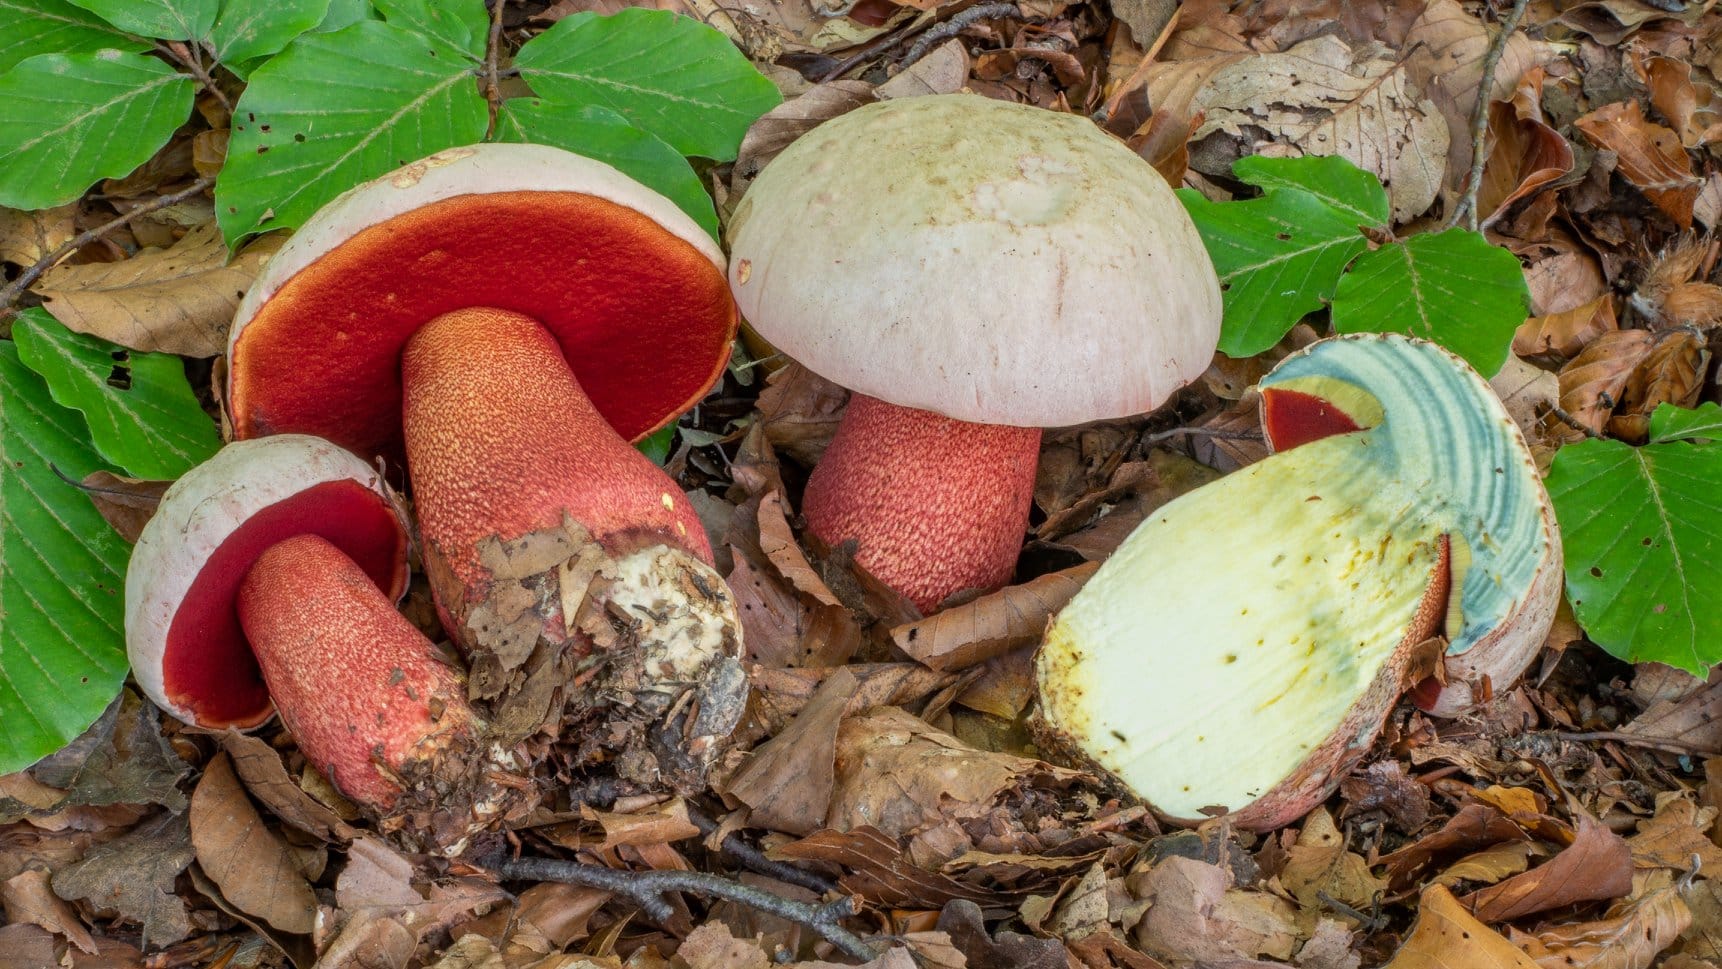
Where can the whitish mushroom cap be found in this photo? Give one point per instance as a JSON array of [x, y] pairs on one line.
[[988, 261], [214, 502]]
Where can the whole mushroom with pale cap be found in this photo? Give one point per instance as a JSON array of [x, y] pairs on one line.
[[1241, 650], [973, 270], [511, 316], [271, 571]]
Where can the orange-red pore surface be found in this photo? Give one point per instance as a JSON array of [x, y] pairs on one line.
[[1292, 417], [502, 441], [934, 505], [641, 314], [356, 683], [208, 666]]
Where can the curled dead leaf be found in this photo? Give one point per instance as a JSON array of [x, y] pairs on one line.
[[1630, 936], [991, 625], [1596, 866], [1672, 373], [244, 856], [1446, 936], [1651, 157], [1592, 382], [1562, 335]]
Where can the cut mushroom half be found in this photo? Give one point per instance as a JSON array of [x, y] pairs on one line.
[[1242, 649], [271, 572]]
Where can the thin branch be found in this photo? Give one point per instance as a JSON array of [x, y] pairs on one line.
[[755, 860], [1214, 432], [1467, 207], [14, 289], [183, 56], [955, 26], [649, 888], [492, 49], [1650, 743], [1574, 423]]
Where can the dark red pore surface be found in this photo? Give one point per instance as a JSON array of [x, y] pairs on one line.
[[1291, 417], [643, 317], [208, 667]]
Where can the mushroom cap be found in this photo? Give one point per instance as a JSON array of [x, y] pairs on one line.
[[987, 261], [630, 286], [187, 649]]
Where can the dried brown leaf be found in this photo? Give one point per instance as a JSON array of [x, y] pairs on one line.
[[28, 897], [1672, 373], [780, 695], [1631, 936], [788, 782], [963, 922], [1692, 720], [243, 856], [1196, 915], [1561, 336], [992, 625], [1592, 382], [1489, 866], [711, 946], [176, 300], [125, 503], [1472, 828], [942, 71], [1596, 866], [1677, 837], [134, 876], [799, 411], [1693, 107], [1651, 157], [880, 873], [265, 776], [776, 129], [1319, 865], [25, 946], [777, 541], [1446, 936], [1004, 686], [28, 236], [1385, 786], [1527, 155]]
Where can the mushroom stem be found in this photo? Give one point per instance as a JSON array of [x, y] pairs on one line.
[[361, 689], [935, 505], [502, 443]]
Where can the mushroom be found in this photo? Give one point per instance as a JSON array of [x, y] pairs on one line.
[[272, 571], [510, 316], [973, 270], [1242, 648]]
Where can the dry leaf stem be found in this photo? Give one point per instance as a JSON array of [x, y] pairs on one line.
[[1467, 207], [9, 295], [648, 888]]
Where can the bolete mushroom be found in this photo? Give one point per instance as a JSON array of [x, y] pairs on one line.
[[973, 270], [510, 316], [1242, 648], [271, 571]]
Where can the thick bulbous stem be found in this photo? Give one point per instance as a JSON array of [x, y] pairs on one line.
[[935, 505], [502, 443], [362, 690]]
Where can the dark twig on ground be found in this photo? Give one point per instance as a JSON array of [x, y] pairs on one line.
[[944, 31], [14, 289], [753, 859], [649, 888], [1218, 433], [1574, 423], [1666, 745], [1467, 207], [492, 85]]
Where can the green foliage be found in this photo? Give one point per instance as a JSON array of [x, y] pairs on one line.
[[607, 136], [250, 29], [165, 19], [62, 655], [1642, 529], [31, 27], [1301, 245], [656, 445], [669, 75], [70, 119], [1671, 423], [145, 419]]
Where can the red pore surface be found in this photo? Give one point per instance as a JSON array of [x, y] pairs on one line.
[[645, 318], [208, 666], [935, 505], [501, 442], [1291, 417], [351, 677]]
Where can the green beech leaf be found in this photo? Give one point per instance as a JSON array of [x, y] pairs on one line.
[[335, 109], [1335, 181], [250, 29], [71, 119], [151, 426], [1451, 287], [1671, 423], [31, 27], [163, 19], [602, 134], [62, 654], [656, 445], [668, 74], [1278, 257], [1642, 529], [345, 13], [461, 24]]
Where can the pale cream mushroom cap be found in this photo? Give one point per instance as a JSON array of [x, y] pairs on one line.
[[987, 261]]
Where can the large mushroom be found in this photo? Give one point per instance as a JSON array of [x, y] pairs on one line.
[[272, 571], [973, 270], [510, 316], [1242, 648]]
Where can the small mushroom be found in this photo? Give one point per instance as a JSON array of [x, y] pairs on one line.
[[508, 317], [1241, 650], [272, 571], [973, 270]]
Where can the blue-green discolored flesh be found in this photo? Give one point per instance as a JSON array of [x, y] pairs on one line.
[[1244, 645]]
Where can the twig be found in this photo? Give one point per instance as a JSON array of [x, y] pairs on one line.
[[648, 888], [755, 860], [1467, 207], [1215, 432], [492, 86], [1650, 743], [955, 26], [1574, 423], [185, 58], [14, 289]]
